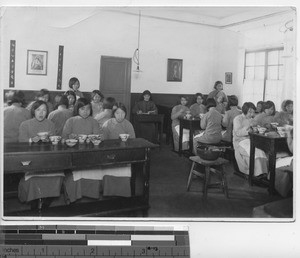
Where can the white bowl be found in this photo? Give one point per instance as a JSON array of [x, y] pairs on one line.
[[55, 139], [96, 141], [71, 142], [43, 135], [124, 136], [261, 130]]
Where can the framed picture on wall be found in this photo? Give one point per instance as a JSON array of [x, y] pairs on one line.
[[174, 70], [228, 78], [37, 62]]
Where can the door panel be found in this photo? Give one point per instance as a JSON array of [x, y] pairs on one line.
[[115, 79]]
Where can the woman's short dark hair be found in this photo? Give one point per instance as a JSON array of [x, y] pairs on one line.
[[36, 105], [72, 81], [42, 93], [286, 103], [246, 106], [216, 83], [268, 104], [120, 106], [97, 92], [69, 92], [233, 101], [81, 102], [16, 96], [210, 103], [108, 103], [63, 101], [146, 92]]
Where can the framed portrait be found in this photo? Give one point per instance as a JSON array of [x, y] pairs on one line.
[[174, 70], [37, 62], [228, 78]]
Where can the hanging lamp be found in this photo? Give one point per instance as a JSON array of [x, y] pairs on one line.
[[136, 54]]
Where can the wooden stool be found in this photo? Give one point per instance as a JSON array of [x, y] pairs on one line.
[[218, 163]]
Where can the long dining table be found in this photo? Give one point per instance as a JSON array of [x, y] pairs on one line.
[[45, 158]]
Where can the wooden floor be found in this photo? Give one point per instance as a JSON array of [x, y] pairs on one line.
[[169, 197]]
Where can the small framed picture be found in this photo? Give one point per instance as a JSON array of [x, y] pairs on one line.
[[174, 70], [37, 62], [228, 78]]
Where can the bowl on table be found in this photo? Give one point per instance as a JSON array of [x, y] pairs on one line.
[[274, 125], [71, 142], [261, 130], [96, 141], [82, 138], [281, 131], [43, 135], [55, 139], [124, 136]]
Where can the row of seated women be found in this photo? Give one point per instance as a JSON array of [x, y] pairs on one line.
[[23, 125], [232, 126]]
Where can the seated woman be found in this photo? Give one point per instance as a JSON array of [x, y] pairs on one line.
[[218, 87], [267, 116], [284, 169], [106, 114], [227, 120], [43, 95], [198, 107], [74, 86], [71, 98], [259, 107], [241, 142], [285, 117], [81, 123], [14, 114], [179, 111], [145, 106], [211, 123], [60, 115], [221, 103], [35, 186], [97, 102]]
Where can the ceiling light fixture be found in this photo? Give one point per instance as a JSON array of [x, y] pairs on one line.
[[136, 54]]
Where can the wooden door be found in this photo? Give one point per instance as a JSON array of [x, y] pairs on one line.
[[115, 79]]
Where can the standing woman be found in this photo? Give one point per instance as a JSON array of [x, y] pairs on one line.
[[179, 111], [74, 86], [14, 115], [97, 102], [218, 87], [34, 187]]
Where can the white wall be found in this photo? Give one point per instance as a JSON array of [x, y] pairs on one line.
[[86, 34]]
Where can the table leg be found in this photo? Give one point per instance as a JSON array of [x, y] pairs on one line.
[[252, 159], [180, 139], [272, 168]]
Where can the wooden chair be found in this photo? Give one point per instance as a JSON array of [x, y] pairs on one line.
[[215, 166]]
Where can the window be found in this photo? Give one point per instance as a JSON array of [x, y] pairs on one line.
[[263, 76]]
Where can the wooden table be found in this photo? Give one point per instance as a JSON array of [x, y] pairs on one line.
[[191, 125], [156, 119], [270, 145], [45, 157]]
